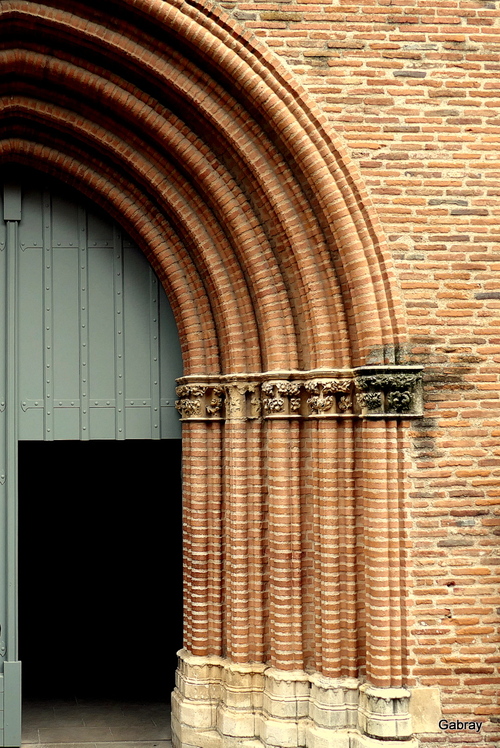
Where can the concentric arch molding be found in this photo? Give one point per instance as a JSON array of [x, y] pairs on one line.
[[364, 392]]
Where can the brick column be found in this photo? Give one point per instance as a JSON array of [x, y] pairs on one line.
[[377, 541], [344, 464], [202, 537], [304, 473], [284, 544]]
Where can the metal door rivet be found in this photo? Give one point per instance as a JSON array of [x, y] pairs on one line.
[[60, 402]]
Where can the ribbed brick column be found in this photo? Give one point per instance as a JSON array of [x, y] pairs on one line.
[[202, 537], [284, 544], [257, 550], [235, 543], [345, 461], [382, 518], [327, 549]]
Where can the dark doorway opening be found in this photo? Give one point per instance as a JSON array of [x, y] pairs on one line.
[[100, 566]]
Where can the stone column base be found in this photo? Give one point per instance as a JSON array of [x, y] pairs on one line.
[[220, 704]]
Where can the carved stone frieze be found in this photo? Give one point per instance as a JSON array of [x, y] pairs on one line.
[[366, 392], [200, 401], [242, 401], [328, 396], [389, 391], [190, 397], [281, 398]]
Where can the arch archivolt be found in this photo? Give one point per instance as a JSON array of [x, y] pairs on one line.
[[295, 395]]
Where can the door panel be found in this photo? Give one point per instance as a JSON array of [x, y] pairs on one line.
[[88, 351], [98, 346]]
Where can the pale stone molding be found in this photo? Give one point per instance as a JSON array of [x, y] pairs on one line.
[[365, 392], [384, 712], [220, 704]]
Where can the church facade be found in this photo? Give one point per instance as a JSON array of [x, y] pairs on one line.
[[315, 185]]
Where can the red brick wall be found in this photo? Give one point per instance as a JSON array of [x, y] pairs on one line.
[[413, 89]]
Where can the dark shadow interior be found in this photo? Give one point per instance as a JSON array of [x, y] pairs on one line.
[[100, 565]]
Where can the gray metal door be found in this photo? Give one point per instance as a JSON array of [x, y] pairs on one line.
[[89, 350]]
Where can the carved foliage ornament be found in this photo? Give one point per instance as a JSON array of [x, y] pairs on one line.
[[189, 404], [323, 395], [277, 394], [361, 392], [390, 392]]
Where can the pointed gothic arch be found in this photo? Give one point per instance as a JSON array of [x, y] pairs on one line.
[[212, 157]]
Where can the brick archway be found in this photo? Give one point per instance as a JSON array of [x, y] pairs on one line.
[[294, 397]]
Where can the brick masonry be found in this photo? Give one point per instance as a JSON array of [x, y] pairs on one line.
[[412, 89], [316, 184]]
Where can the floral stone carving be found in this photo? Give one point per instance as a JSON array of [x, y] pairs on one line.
[[390, 391]]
